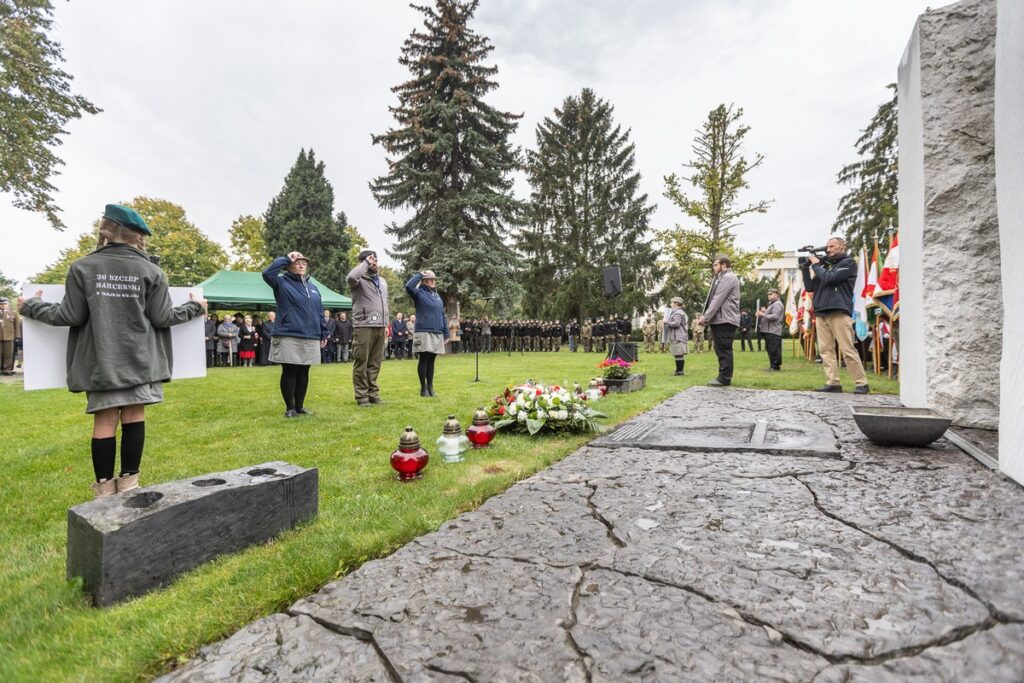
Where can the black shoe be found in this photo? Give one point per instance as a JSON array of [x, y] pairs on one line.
[[290, 413], [376, 400], [363, 404], [430, 390], [424, 393], [718, 383], [678, 373], [830, 389], [862, 389], [304, 411], [771, 369]]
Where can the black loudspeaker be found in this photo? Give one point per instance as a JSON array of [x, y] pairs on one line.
[[612, 281]]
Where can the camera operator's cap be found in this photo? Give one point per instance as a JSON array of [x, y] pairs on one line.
[[428, 275], [366, 253], [128, 217], [677, 300]]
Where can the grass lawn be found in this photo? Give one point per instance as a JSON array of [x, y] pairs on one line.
[[233, 418]]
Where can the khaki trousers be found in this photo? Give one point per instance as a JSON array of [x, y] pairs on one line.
[[367, 356], [836, 327]]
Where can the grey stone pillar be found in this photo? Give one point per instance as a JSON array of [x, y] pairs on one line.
[[1010, 191], [951, 307]]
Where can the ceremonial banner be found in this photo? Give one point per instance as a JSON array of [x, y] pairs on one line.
[[45, 346]]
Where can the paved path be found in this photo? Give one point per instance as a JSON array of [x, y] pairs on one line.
[[648, 557]]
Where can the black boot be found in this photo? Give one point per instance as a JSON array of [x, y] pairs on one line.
[[679, 368], [430, 390]]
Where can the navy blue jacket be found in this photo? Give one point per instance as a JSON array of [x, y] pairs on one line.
[[832, 284], [300, 312], [430, 316]]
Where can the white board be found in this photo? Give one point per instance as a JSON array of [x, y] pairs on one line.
[[45, 346]]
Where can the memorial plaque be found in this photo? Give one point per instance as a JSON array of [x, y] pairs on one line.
[[761, 435]]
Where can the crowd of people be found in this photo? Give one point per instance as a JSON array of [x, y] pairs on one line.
[[118, 287]]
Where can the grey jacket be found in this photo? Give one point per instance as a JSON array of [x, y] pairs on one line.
[[369, 298], [771, 321], [676, 325], [119, 310], [228, 334], [723, 307]]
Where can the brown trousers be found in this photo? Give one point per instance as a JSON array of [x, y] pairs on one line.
[[836, 327], [367, 357]]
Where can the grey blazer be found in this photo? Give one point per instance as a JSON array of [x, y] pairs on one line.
[[771, 321], [723, 307], [677, 324]]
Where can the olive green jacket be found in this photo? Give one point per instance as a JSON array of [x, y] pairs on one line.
[[118, 307]]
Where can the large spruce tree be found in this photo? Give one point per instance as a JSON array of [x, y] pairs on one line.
[[301, 218], [585, 212], [871, 207], [450, 160]]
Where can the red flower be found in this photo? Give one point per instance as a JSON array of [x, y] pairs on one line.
[[539, 392], [501, 410]]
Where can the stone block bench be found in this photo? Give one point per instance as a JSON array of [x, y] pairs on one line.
[[125, 545]]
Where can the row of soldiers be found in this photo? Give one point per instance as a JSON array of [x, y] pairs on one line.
[[597, 335], [511, 335]]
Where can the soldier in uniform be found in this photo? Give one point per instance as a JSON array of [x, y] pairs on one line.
[[698, 335], [649, 329], [10, 332], [587, 334]]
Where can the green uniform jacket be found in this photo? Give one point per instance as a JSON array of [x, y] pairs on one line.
[[119, 310]]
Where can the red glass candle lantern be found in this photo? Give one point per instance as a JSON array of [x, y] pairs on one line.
[[481, 431], [601, 385], [409, 458]]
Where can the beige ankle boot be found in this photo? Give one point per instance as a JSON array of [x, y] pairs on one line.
[[127, 482], [104, 488]]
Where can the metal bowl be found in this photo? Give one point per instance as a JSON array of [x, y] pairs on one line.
[[900, 426]]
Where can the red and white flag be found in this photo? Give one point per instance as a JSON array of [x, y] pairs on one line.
[[872, 277], [889, 280]]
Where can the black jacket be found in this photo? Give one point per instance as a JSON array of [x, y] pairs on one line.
[[832, 284]]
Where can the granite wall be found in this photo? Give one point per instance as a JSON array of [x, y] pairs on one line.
[[1009, 124], [950, 281]]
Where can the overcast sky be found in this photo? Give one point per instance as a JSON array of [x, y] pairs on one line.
[[206, 103]]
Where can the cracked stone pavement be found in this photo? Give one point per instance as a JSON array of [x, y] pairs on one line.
[[659, 563]]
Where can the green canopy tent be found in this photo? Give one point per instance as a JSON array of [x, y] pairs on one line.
[[248, 292]]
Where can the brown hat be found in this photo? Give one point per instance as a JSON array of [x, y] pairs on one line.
[[677, 300], [428, 275], [300, 257]]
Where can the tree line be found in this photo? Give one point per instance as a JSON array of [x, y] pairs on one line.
[[451, 166]]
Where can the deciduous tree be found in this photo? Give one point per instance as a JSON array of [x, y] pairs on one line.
[[247, 245], [719, 173], [36, 104]]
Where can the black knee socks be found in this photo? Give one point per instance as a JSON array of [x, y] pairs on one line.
[[679, 364], [133, 440], [103, 454]]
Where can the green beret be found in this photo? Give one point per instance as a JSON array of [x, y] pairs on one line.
[[127, 217]]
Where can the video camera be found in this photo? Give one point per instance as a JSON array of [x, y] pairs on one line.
[[819, 252]]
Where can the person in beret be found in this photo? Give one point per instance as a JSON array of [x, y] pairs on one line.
[[677, 324], [431, 327], [300, 331], [117, 304]]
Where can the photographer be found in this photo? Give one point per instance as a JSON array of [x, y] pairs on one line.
[[832, 285]]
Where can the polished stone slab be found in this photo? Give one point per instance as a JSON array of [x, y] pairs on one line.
[[127, 544]]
